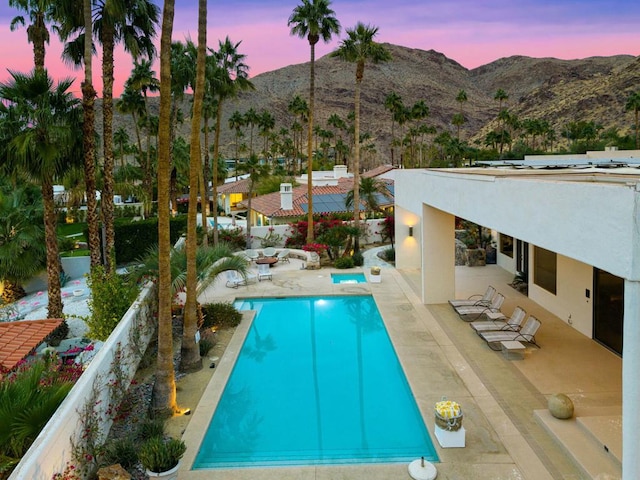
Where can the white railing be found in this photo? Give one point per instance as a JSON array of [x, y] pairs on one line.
[[118, 359]]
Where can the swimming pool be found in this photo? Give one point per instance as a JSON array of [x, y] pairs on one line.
[[317, 381], [348, 278]]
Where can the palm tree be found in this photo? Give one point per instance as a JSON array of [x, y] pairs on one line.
[[236, 122], [633, 103], [360, 48], [131, 22], [460, 120], [501, 96], [393, 102], [371, 189], [22, 247], [256, 171], [315, 20], [44, 145], [40, 13], [190, 354], [164, 388], [231, 76]]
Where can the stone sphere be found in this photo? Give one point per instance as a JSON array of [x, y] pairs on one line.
[[560, 406]]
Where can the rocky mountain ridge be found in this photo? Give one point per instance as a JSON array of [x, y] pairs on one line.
[[555, 90]]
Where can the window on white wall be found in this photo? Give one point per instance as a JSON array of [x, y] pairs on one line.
[[545, 269], [506, 245]]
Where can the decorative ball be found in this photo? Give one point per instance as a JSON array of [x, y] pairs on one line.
[[560, 406]]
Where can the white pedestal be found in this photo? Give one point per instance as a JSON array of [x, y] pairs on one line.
[[448, 439], [422, 470], [375, 278]]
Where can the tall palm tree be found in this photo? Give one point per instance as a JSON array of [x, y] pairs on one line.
[[393, 102], [460, 120], [132, 23], [190, 354], [633, 104], [230, 76], [164, 388], [359, 47], [46, 142], [501, 96], [236, 122], [315, 20], [40, 13]]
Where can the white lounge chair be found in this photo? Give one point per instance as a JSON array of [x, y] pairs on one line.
[[235, 279], [477, 299], [514, 323], [269, 252], [469, 313], [526, 334], [252, 254], [283, 256], [264, 273]]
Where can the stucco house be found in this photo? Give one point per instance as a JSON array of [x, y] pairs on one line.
[[569, 224]]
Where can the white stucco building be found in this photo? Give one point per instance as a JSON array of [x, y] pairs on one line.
[[570, 224]]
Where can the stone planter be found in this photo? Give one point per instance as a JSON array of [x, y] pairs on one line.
[[375, 275], [168, 475]]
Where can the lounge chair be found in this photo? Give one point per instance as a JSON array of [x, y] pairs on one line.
[[513, 324], [235, 279], [269, 252], [283, 256], [252, 254], [475, 299], [470, 313], [263, 272], [526, 334]]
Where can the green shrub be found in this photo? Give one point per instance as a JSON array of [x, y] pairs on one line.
[[160, 455], [111, 297], [235, 237], [151, 427], [205, 344], [389, 254], [123, 451], [343, 262], [66, 243], [222, 314], [358, 259]]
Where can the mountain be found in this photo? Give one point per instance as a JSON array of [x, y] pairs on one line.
[[558, 91]]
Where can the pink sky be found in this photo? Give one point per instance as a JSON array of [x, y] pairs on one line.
[[470, 32]]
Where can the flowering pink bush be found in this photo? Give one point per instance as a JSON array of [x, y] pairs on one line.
[[315, 247]]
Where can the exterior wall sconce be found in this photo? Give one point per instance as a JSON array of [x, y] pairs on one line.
[[411, 231]]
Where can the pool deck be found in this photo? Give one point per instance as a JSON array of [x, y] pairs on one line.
[[509, 433]]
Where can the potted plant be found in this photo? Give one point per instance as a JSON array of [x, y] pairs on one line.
[[161, 457]]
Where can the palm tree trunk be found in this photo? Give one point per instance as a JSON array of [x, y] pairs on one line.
[[309, 150], [190, 355], [164, 388], [214, 181], [356, 158], [173, 189], [204, 187], [53, 255], [107, 143], [89, 144]]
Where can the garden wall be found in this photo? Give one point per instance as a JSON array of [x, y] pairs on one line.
[[98, 389]]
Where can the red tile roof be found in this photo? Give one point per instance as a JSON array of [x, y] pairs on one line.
[[379, 170], [269, 204], [19, 339], [241, 186]]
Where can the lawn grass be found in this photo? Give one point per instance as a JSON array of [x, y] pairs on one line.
[[67, 229]]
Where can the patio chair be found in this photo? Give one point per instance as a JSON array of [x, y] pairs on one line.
[[477, 299], [469, 313], [283, 256], [269, 252], [264, 272], [513, 323], [235, 279], [526, 334], [252, 254]]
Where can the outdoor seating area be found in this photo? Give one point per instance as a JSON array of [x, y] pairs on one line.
[[470, 313]]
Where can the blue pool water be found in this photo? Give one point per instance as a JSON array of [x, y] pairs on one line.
[[348, 278], [317, 381]]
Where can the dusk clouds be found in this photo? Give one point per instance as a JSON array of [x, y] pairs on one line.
[[471, 32]]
